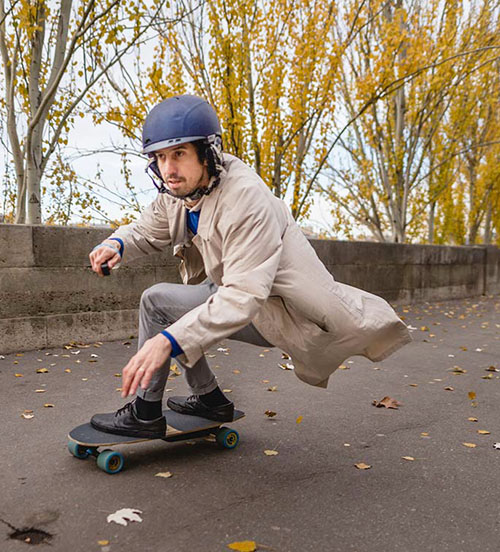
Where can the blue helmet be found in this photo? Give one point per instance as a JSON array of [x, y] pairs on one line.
[[178, 120]]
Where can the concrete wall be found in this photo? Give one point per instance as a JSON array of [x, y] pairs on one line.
[[49, 296]]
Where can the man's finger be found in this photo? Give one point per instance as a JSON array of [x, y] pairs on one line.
[[137, 379], [127, 375]]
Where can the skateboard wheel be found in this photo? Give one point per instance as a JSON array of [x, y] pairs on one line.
[[77, 450], [228, 438], [110, 461]]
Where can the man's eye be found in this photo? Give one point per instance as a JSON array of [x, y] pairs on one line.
[[179, 153]]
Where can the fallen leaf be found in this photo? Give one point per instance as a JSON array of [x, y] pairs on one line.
[[19, 375], [48, 405], [68, 370], [409, 458], [19, 354], [175, 370], [469, 445], [492, 369], [449, 389], [125, 514], [222, 350], [472, 419], [343, 367], [42, 371], [270, 452], [164, 474], [413, 384], [103, 542], [424, 434], [489, 376], [424, 328], [40, 390], [472, 395], [273, 388], [388, 402], [243, 546], [362, 466], [483, 432], [117, 375], [457, 370], [285, 355], [236, 372], [262, 355], [265, 381], [126, 343], [286, 366], [27, 414], [270, 413], [299, 419], [227, 391]]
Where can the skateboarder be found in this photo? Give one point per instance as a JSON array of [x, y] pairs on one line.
[[248, 274]]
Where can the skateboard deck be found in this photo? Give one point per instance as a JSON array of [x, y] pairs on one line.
[[85, 440]]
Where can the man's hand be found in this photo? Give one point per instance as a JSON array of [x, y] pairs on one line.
[[148, 360], [102, 254]]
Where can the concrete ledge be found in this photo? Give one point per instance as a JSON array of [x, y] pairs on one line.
[[37, 332], [49, 296]]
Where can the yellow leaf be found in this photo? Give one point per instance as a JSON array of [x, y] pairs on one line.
[[469, 445], [164, 474], [273, 388], [40, 390], [424, 434], [68, 370], [472, 419], [19, 375], [362, 466], [270, 452], [409, 458], [472, 395], [236, 372], [48, 405], [42, 371], [227, 391], [243, 546], [299, 419], [103, 542], [483, 432]]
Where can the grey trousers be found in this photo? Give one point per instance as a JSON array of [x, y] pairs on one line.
[[162, 305]]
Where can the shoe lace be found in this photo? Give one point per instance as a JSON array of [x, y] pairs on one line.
[[124, 409]]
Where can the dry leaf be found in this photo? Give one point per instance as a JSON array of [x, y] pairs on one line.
[[424, 434], [449, 389], [243, 546], [472, 395], [125, 514], [164, 474], [299, 419], [40, 390], [409, 458], [19, 375], [413, 384], [42, 371], [343, 367], [227, 391], [492, 369], [68, 370], [270, 452], [388, 402], [270, 413], [424, 328], [103, 542], [457, 370], [48, 405], [362, 466], [488, 377], [469, 445], [265, 381], [236, 372], [285, 356], [472, 419], [262, 355], [273, 388], [483, 432], [27, 414]]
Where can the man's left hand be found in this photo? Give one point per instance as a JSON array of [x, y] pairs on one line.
[[148, 360]]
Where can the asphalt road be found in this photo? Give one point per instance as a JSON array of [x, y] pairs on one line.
[[309, 496]]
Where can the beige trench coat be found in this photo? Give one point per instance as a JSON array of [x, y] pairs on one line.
[[268, 273]]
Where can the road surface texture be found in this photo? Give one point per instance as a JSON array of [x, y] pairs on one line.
[[432, 484]]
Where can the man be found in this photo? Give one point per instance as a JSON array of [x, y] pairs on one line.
[[248, 271]]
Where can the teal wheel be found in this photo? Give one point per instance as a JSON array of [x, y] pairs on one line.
[[110, 461], [79, 451], [227, 438]]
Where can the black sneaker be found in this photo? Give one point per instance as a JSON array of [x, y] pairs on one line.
[[125, 422], [195, 407]]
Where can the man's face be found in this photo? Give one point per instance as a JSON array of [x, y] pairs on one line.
[[181, 169]]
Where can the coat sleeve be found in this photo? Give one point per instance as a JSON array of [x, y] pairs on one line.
[[251, 251], [149, 234]]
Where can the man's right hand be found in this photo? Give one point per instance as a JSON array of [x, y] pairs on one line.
[[105, 253]]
